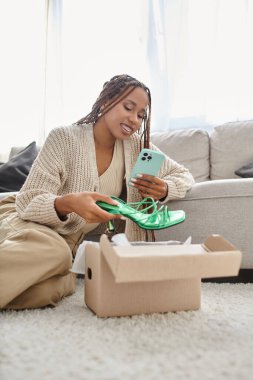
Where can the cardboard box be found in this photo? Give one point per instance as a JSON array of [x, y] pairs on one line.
[[129, 280]]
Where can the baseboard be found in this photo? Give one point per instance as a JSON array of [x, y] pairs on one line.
[[245, 276]]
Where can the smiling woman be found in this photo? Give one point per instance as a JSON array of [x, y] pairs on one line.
[[79, 165], [120, 109], [131, 109]]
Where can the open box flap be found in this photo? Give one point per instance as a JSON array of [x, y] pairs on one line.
[[216, 257]]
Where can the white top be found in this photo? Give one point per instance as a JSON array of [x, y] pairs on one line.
[[110, 182]]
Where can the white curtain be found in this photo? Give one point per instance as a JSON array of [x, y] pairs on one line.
[[22, 66], [203, 58], [55, 57], [195, 55]]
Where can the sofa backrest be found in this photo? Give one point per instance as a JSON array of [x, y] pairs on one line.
[[231, 146], [217, 156], [189, 147]]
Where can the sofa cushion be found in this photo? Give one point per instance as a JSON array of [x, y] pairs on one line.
[[14, 172], [222, 207], [230, 148], [17, 149], [189, 147], [245, 171]]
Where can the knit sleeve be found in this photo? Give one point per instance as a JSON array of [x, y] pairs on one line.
[[177, 177], [35, 200]]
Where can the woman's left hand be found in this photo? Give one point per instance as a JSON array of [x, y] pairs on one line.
[[150, 186]]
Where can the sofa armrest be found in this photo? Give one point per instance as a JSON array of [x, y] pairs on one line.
[[216, 207]]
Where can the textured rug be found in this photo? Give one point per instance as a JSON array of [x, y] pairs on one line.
[[70, 342]]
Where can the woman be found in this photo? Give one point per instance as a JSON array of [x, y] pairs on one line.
[[56, 207]]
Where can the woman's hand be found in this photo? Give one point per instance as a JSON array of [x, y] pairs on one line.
[[84, 205], [150, 186]]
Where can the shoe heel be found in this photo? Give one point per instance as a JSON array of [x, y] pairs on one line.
[[110, 230]]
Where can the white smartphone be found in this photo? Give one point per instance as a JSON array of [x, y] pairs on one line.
[[148, 162]]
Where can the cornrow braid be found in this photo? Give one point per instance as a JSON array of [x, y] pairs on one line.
[[115, 90]]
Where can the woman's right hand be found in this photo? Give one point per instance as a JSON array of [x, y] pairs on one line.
[[84, 205]]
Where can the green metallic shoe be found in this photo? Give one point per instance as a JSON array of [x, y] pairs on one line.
[[138, 212]]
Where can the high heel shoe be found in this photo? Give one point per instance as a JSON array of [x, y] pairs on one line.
[[139, 213]]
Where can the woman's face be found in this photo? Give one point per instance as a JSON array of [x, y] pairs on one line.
[[126, 117]]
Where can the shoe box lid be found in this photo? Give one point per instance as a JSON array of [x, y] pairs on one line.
[[215, 257]]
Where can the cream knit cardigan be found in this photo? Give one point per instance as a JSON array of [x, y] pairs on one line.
[[67, 164]]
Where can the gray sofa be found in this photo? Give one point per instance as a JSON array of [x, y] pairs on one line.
[[220, 202]]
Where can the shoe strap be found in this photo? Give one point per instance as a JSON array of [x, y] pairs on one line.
[[149, 201]]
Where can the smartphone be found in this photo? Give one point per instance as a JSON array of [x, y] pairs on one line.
[[148, 162]]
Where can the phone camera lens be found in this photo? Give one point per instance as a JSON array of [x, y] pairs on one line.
[[149, 157], [143, 158], [145, 154]]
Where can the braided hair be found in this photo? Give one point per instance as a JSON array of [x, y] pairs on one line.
[[115, 90]]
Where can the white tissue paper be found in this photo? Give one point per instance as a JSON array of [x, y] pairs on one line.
[[79, 261]]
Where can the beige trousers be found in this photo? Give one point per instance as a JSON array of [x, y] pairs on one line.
[[34, 262]]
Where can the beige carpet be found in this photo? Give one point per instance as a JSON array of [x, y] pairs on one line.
[[69, 342]]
